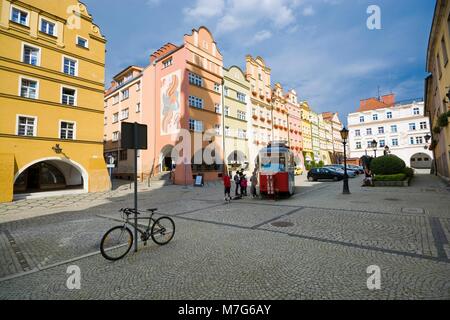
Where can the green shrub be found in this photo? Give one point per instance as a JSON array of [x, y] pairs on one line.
[[443, 120], [387, 165], [437, 130], [391, 177], [409, 172], [321, 164]]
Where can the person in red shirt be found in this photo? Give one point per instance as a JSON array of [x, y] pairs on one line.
[[227, 185]]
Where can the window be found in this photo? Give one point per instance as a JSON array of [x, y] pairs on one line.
[[369, 131], [394, 129], [380, 130], [226, 91], [116, 99], [218, 108], [375, 117], [105, 121], [260, 76], [116, 117], [227, 132], [395, 142], [216, 87], [444, 51], [241, 97], [242, 134], [47, 27], [416, 111], [125, 94], [115, 136], [67, 130], [31, 55], [423, 125], [167, 63], [389, 115], [195, 102], [412, 127], [26, 126], [195, 125], [358, 146], [138, 86], [369, 144], [217, 129], [19, 16], [361, 119], [123, 156], [70, 67], [241, 115], [125, 114], [138, 107], [195, 79], [382, 143], [227, 111], [68, 96], [82, 42], [419, 140], [29, 89]]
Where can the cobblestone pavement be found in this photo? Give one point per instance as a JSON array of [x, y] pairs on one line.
[[316, 245]]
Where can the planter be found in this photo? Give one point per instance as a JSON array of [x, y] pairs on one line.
[[255, 93], [255, 117], [262, 119], [404, 183], [268, 100], [261, 97]]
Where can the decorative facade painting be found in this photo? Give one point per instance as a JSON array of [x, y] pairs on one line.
[[170, 103]]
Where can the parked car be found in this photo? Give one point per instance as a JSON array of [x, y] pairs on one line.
[[340, 168], [324, 174], [298, 171], [358, 169]]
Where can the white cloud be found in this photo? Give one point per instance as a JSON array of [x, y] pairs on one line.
[[205, 9], [261, 36], [308, 11]]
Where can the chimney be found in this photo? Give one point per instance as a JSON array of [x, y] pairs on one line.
[[388, 99]]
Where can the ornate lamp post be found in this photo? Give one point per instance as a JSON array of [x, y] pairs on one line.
[[344, 136], [375, 146]]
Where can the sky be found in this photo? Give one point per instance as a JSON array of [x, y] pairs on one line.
[[321, 48]]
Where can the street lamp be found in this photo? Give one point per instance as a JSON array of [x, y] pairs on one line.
[[344, 136], [375, 146]]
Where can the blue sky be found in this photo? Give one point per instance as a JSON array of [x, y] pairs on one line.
[[321, 48]]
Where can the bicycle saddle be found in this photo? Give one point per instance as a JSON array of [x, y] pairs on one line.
[[152, 210]]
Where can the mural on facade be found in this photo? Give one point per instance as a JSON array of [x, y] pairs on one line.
[[170, 103]]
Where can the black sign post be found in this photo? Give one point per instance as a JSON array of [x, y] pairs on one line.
[[134, 136]]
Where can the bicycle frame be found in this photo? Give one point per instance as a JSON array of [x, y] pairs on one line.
[[145, 232]]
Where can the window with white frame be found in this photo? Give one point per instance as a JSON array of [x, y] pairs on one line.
[[67, 130], [380, 130], [167, 63], [115, 117], [358, 145], [419, 140], [138, 86], [195, 125], [242, 134], [125, 94], [29, 89], [48, 27], [416, 111], [227, 111], [423, 125], [217, 108], [195, 79], [395, 142], [216, 87], [70, 66], [125, 114], [369, 144], [412, 127], [115, 136], [225, 91], [382, 143], [116, 99], [82, 42], [217, 129], [68, 96], [241, 115], [26, 126], [19, 16], [241, 97], [369, 131], [31, 55], [195, 102], [375, 117], [389, 115], [361, 119], [394, 129], [227, 132]]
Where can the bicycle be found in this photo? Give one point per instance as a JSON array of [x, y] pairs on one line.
[[117, 242]]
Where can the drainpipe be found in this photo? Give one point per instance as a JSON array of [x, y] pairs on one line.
[[225, 170]]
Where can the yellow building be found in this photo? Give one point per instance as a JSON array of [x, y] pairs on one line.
[[307, 132], [437, 87], [236, 124], [52, 64]]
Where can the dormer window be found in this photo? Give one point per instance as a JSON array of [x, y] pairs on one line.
[[82, 42], [167, 63]]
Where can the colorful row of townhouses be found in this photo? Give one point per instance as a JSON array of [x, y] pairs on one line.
[[187, 87], [58, 124]]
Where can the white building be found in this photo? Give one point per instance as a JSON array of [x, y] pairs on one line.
[[400, 126]]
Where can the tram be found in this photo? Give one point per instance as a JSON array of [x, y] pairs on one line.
[[276, 170]]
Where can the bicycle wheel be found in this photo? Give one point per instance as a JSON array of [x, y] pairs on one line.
[[116, 243], [163, 231]]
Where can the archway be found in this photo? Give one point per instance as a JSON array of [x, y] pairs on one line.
[[51, 174], [421, 161], [166, 162]]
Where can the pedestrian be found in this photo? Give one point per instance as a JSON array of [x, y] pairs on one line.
[[368, 177], [227, 185], [254, 183], [244, 184], [237, 181]]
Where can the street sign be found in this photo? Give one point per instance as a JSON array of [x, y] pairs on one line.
[[133, 136], [111, 166]]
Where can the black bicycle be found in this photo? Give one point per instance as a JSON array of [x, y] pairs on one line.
[[117, 242]]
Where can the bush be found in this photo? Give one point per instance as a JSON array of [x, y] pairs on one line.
[[437, 130], [321, 164], [387, 165], [391, 177], [443, 120], [409, 172]]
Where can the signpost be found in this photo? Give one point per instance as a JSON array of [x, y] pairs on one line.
[[110, 167], [134, 136]]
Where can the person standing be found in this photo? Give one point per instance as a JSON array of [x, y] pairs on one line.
[[227, 185], [237, 181], [244, 185], [254, 183]]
